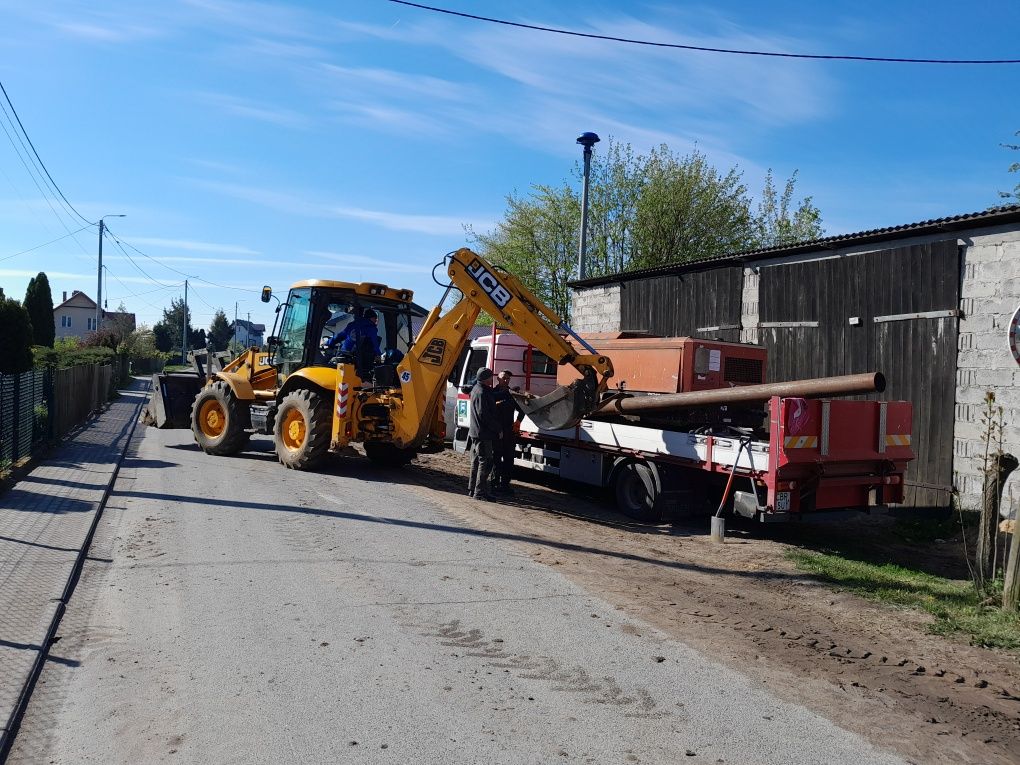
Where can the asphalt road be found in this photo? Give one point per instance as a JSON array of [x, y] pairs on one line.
[[235, 611]]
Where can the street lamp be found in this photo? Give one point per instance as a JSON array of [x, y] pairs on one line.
[[99, 286], [587, 140]]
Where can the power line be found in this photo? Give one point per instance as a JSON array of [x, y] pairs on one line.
[[121, 242], [38, 158], [196, 294], [39, 247], [705, 49], [45, 196], [131, 260]]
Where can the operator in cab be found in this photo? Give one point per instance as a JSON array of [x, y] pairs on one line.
[[483, 432], [360, 338]]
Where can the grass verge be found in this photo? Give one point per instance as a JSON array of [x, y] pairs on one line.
[[955, 605]]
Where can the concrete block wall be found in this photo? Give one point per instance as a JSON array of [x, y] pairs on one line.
[[749, 307], [596, 309], [989, 294]]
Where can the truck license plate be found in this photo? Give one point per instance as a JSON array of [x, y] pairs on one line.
[[783, 502]]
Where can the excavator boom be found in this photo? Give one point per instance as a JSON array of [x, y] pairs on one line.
[[512, 305]]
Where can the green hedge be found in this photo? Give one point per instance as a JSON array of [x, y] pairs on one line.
[[65, 354]]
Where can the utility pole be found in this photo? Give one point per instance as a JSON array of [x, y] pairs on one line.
[[587, 140], [247, 332], [184, 326], [235, 324], [99, 271], [99, 284]]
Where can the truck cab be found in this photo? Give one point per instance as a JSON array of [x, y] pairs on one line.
[[533, 371]]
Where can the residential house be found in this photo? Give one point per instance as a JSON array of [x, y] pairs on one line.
[[248, 333], [76, 317]]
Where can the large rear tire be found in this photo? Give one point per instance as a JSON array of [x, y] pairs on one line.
[[219, 420], [388, 455], [302, 429], [637, 494]]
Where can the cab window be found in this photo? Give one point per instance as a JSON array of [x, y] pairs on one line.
[[290, 352]]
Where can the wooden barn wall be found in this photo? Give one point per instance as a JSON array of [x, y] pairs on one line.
[[917, 355], [681, 304]]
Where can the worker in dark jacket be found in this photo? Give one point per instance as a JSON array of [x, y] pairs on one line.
[[507, 414], [483, 432]]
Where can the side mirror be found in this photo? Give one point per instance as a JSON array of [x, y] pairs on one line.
[[267, 293]]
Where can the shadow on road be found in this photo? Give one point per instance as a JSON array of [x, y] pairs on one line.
[[184, 499]]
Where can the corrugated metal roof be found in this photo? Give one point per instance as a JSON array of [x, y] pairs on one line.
[[991, 217]]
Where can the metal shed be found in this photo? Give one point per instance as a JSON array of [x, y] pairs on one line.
[[927, 303]]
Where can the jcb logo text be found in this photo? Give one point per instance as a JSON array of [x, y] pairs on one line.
[[499, 294]]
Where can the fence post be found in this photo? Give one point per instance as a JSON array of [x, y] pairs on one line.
[[16, 415]]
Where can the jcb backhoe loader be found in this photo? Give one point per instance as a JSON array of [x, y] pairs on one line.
[[317, 397]]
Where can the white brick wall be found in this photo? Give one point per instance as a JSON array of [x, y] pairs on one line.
[[989, 294], [596, 309]]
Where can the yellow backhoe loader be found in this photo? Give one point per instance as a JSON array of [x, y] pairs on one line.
[[324, 384]]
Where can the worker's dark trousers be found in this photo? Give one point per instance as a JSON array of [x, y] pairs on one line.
[[503, 468], [481, 467]]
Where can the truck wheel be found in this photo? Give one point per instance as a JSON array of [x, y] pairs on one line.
[[301, 431], [636, 493], [388, 455], [218, 420]]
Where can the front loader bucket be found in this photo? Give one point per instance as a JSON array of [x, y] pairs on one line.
[[173, 393], [561, 409]]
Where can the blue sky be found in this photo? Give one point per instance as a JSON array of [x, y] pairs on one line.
[[263, 142]]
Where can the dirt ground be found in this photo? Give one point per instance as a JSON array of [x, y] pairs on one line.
[[870, 668]]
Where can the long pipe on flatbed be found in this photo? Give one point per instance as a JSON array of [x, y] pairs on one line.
[[846, 385]]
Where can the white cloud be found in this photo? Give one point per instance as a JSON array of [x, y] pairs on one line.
[[396, 82], [315, 268], [188, 244], [294, 204], [261, 112]]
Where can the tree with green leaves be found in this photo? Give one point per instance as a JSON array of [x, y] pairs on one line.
[[39, 304], [777, 223], [219, 333], [1012, 197], [15, 337], [168, 330], [644, 210]]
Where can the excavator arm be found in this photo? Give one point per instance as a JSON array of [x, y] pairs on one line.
[[425, 369]]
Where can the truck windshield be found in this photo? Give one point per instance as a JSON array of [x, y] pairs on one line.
[[476, 360]]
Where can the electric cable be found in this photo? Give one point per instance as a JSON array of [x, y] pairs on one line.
[[46, 244], [42, 164], [121, 243], [703, 48]]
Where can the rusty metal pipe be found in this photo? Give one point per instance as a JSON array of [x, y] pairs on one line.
[[847, 385]]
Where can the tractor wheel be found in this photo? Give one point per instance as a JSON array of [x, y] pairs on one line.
[[302, 429], [636, 493], [388, 455], [219, 420]]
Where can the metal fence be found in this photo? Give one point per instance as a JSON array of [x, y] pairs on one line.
[[41, 405]]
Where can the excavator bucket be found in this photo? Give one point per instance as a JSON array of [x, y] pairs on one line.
[[561, 409]]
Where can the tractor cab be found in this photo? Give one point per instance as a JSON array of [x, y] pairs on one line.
[[323, 323]]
